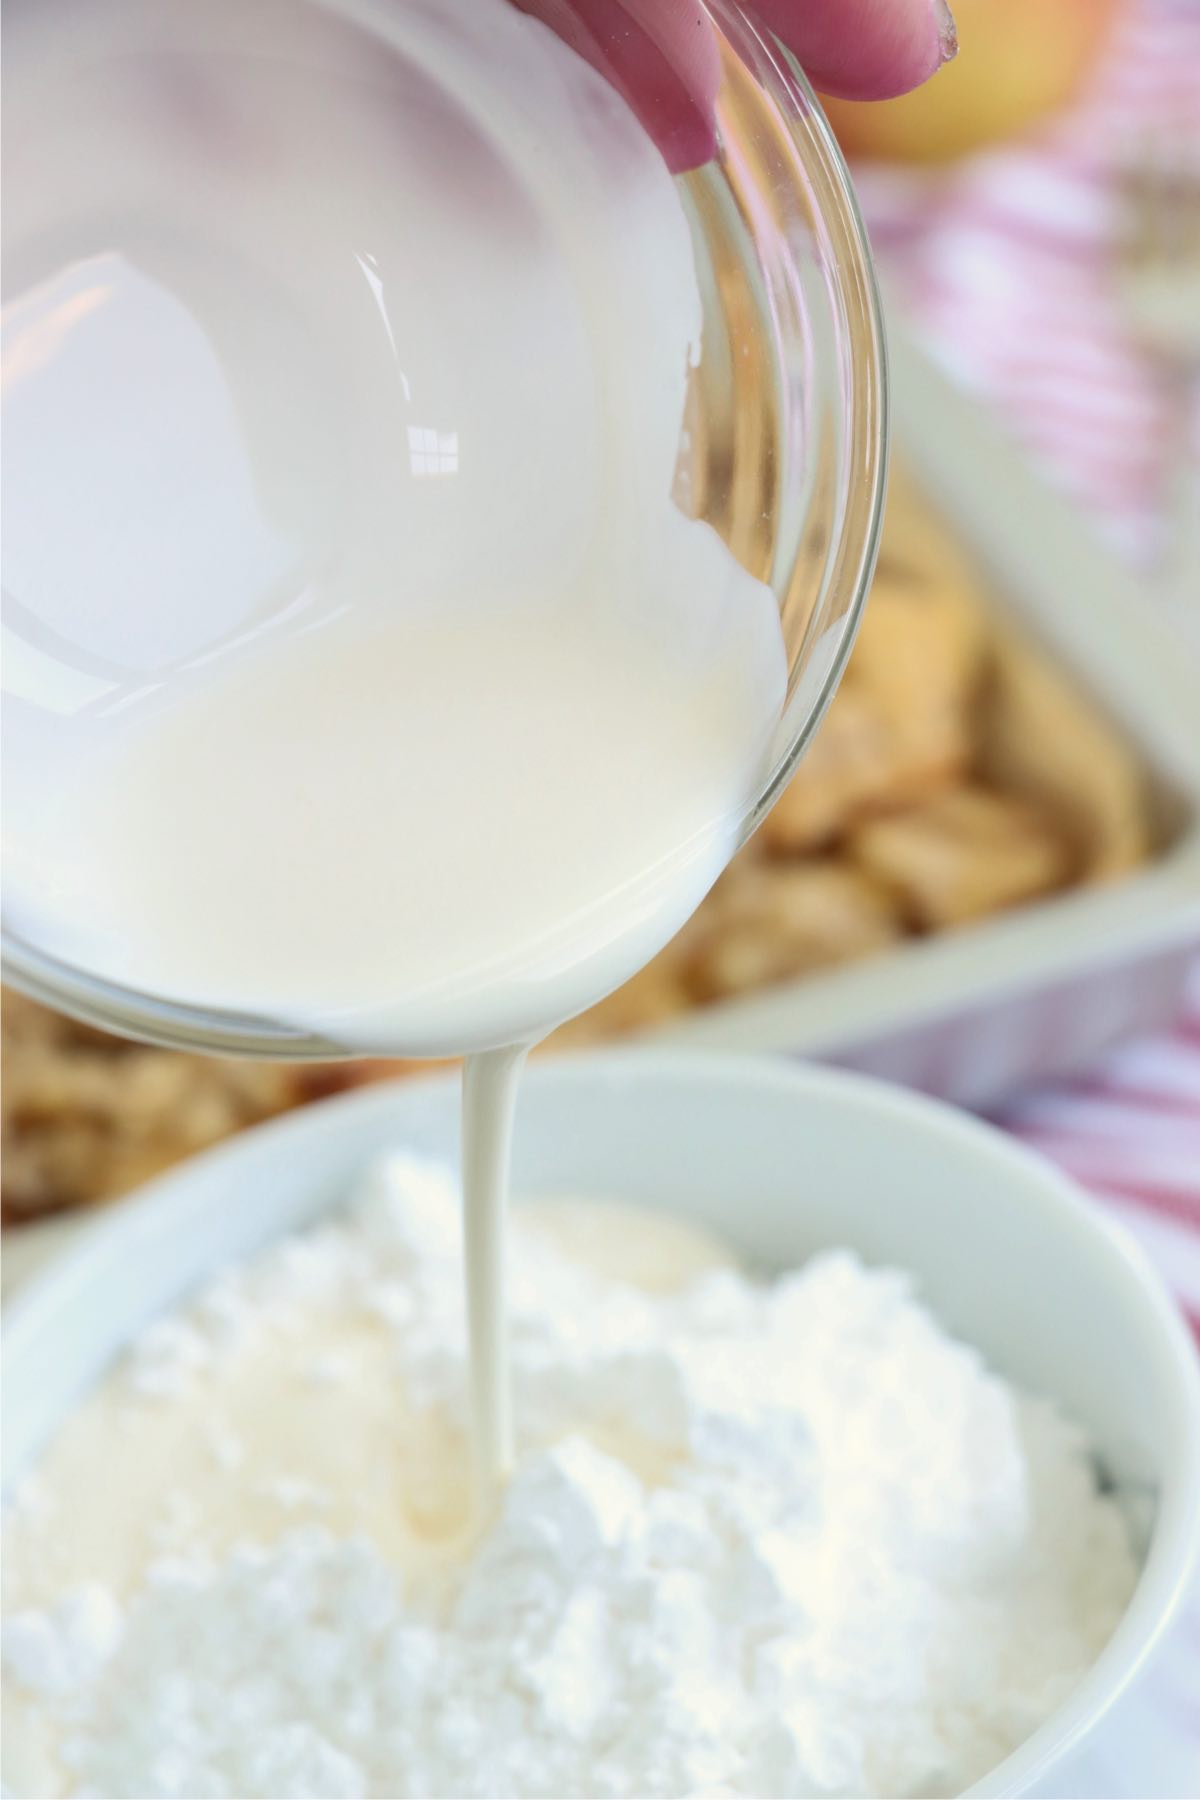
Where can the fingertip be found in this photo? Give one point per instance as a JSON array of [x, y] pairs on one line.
[[865, 49], [947, 32]]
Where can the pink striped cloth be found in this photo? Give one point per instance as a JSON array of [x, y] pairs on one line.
[[1130, 1134], [1005, 264]]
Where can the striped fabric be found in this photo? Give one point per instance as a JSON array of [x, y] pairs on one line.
[[1130, 1134], [1006, 266]]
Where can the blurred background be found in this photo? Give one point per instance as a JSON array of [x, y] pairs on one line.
[[1036, 205], [1037, 211]]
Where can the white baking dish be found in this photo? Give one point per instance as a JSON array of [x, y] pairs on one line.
[[978, 1013]]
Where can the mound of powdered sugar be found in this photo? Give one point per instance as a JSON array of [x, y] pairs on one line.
[[770, 1539]]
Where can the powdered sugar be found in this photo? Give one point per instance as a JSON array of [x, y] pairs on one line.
[[761, 1539]]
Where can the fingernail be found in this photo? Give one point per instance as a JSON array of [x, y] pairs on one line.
[[947, 31]]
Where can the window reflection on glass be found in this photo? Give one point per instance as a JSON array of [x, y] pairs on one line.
[[432, 452]]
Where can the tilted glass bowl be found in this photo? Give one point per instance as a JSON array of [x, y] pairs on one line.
[[783, 452]]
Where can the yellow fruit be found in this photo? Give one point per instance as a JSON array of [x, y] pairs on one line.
[[1018, 61]]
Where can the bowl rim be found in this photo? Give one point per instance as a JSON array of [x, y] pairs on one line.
[[154, 1212]]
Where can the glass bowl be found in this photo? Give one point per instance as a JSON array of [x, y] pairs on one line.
[[783, 448]]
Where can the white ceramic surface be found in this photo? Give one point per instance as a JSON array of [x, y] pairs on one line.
[[781, 1160]]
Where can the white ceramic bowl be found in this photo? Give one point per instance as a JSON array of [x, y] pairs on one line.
[[782, 1160]]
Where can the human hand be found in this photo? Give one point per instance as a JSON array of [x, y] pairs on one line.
[[662, 54]]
